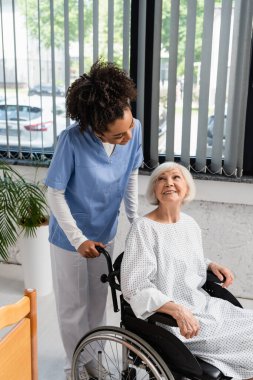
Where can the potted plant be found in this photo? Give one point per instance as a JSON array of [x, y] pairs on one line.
[[23, 214]]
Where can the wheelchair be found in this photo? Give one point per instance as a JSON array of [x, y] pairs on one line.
[[142, 349]]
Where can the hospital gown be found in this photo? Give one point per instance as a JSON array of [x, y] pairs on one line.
[[165, 262]]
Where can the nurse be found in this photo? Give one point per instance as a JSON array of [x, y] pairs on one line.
[[94, 167]]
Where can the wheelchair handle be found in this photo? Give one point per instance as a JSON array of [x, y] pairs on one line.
[[110, 278]]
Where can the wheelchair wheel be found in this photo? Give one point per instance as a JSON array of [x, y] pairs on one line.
[[123, 355]]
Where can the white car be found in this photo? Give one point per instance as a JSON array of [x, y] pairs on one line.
[[30, 125]]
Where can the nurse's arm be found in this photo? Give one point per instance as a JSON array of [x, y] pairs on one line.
[[131, 196], [60, 209]]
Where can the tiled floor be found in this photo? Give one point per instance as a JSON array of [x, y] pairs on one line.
[[50, 350]]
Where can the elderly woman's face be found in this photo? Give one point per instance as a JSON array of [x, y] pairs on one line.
[[171, 186]]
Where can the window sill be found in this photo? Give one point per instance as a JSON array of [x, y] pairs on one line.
[[209, 177], [222, 178], [214, 188]]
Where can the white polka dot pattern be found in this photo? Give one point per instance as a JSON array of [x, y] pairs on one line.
[[165, 262]]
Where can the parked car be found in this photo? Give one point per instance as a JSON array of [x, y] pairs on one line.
[[45, 89], [29, 125], [210, 126]]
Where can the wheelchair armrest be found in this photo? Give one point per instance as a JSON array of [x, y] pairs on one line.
[[157, 317], [212, 278], [163, 318]]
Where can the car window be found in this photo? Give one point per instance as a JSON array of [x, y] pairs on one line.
[[25, 112]]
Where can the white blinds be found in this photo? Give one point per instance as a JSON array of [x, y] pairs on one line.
[[220, 89], [50, 43], [238, 84]]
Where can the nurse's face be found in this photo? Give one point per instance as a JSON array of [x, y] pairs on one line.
[[120, 131]]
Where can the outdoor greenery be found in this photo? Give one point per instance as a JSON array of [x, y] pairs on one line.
[[23, 207], [182, 31], [38, 24], [38, 20], [41, 30]]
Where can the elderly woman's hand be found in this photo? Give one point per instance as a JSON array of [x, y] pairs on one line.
[[222, 272], [187, 323]]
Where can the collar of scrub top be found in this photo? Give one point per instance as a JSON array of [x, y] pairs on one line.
[[99, 141], [96, 139], [93, 135]]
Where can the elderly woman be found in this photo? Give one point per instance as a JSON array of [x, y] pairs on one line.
[[163, 270]]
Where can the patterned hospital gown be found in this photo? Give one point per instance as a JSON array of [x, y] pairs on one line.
[[165, 262]]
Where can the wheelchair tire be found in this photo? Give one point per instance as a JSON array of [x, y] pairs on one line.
[[123, 355]]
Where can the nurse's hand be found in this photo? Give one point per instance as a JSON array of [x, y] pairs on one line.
[[88, 250]]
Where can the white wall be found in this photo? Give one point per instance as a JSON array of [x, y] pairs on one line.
[[224, 211]]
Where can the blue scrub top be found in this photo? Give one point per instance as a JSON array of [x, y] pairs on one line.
[[94, 183]]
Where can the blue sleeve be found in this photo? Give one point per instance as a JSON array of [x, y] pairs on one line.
[[62, 164], [139, 153]]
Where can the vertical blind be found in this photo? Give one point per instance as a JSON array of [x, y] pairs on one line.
[[198, 73], [223, 75], [62, 40], [238, 84]]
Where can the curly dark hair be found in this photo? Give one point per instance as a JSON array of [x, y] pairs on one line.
[[100, 97]]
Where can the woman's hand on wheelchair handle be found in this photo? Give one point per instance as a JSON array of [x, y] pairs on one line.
[[222, 273], [187, 323], [88, 250]]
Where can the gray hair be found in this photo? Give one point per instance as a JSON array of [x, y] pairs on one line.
[[167, 166]]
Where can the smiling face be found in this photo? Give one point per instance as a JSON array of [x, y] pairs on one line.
[[171, 186], [120, 131]]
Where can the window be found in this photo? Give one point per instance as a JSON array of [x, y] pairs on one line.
[[44, 46], [189, 58], [196, 63]]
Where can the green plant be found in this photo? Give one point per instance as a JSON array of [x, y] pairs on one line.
[[23, 207]]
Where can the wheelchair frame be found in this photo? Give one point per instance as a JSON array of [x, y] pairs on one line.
[[141, 348]]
